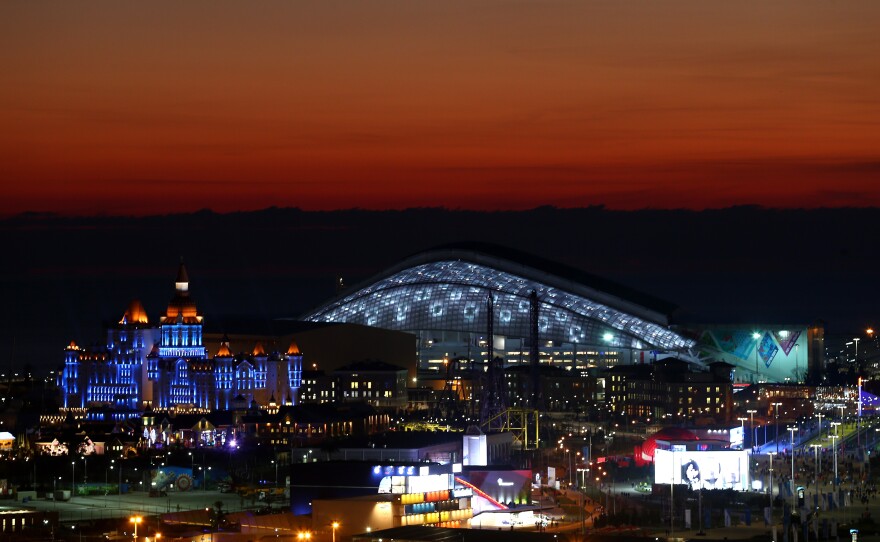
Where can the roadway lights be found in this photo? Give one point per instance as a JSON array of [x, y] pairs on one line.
[[135, 520]]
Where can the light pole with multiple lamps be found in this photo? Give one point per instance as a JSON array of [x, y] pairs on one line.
[[757, 337], [834, 447], [776, 415], [792, 430], [815, 448], [771, 454], [136, 520], [752, 425]]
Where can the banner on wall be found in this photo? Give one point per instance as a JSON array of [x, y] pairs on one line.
[[767, 349], [786, 339]]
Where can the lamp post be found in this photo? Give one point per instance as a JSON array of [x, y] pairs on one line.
[[859, 413], [742, 428], [73, 479], [815, 448], [757, 337], [834, 446], [752, 425], [671, 498], [793, 495], [771, 454], [819, 415], [568, 452], [135, 520], [335, 526], [776, 415], [85, 469], [276, 472]]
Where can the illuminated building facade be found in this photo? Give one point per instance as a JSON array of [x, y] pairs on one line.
[[668, 391], [442, 296], [167, 365]]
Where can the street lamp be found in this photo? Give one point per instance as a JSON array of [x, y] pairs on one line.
[[859, 414], [776, 415], [815, 448], [135, 520], [757, 337], [742, 427], [752, 425], [335, 526], [568, 452], [834, 446], [771, 454], [276, 472], [793, 495], [73, 479]]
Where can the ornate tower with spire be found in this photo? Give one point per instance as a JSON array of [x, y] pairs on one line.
[[181, 351]]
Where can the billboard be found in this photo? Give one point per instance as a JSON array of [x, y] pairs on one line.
[[728, 469], [508, 487], [736, 437]]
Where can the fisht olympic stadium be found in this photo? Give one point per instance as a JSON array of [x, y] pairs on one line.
[[442, 296]]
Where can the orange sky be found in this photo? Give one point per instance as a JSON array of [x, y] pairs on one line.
[[144, 107]]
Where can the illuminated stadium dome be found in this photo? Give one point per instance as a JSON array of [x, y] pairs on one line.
[[443, 297]]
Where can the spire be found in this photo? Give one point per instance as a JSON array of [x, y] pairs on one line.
[[182, 308], [135, 314], [224, 351], [258, 350], [182, 282], [293, 350]]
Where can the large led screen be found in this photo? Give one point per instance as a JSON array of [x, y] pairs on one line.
[[703, 470]]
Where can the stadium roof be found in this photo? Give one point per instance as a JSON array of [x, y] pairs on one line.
[[448, 288]]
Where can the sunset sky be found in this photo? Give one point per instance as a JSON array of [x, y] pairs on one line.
[[151, 107]]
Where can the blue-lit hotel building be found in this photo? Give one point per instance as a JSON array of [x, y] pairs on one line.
[[167, 366], [442, 297]]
